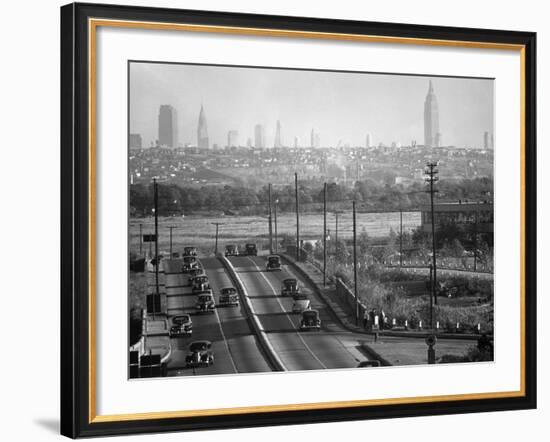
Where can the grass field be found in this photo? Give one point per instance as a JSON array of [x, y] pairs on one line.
[[200, 230]]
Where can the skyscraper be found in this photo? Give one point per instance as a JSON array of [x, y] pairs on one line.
[[135, 141], [233, 138], [278, 142], [432, 136], [368, 141], [315, 139], [259, 136], [202, 131], [485, 140], [168, 126]]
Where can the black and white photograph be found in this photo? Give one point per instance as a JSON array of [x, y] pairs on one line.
[[288, 220]]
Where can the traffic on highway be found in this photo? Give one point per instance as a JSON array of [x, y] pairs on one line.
[[244, 313]]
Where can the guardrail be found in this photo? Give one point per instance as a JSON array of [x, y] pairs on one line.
[[258, 328]]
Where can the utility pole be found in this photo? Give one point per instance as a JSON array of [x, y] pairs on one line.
[[297, 217], [171, 227], [400, 237], [432, 178], [140, 238], [217, 230], [431, 298], [336, 235], [475, 242], [275, 213], [269, 220], [355, 266], [156, 201], [325, 235]]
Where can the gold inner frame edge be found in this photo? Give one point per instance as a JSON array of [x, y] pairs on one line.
[[93, 24]]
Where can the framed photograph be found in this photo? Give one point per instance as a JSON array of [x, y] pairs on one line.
[[273, 220]]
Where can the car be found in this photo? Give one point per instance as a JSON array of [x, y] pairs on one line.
[[200, 355], [373, 363], [231, 250], [200, 284], [189, 251], [182, 326], [193, 273], [175, 255], [251, 249], [228, 296], [189, 262], [310, 320], [273, 263], [289, 287], [301, 304], [205, 303]]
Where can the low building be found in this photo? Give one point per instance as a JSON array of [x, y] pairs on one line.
[[472, 216]]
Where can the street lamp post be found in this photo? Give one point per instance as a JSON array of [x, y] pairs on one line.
[[325, 236], [355, 266], [275, 222]]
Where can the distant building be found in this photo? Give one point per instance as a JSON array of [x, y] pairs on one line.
[[368, 141], [259, 136], [202, 131], [135, 141], [432, 136], [233, 138], [249, 142], [488, 141], [168, 127], [315, 139], [472, 216], [296, 142], [278, 141]]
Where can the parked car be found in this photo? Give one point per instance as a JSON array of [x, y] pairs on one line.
[[251, 249], [231, 250], [310, 320], [190, 251], [228, 296], [373, 363], [200, 355], [188, 263], [193, 273], [273, 263], [200, 284], [289, 287], [182, 326], [175, 255], [301, 304], [205, 303]]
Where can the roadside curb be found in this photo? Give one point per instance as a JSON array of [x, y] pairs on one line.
[[267, 348]]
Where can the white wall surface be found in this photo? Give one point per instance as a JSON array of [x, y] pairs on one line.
[[29, 225]]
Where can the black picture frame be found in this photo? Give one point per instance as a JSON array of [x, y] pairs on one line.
[[75, 220]]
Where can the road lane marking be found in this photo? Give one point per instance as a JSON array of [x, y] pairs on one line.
[[220, 326], [287, 316], [225, 340]]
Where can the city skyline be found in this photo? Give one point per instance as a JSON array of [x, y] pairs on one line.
[[303, 101]]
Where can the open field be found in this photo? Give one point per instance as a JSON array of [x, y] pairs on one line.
[[200, 230]]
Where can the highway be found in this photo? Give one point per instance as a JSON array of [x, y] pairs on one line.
[[235, 347], [331, 347]]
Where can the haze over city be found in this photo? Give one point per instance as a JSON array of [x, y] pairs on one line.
[[341, 107]]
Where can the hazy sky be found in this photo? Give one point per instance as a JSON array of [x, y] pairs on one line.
[[340, 106]]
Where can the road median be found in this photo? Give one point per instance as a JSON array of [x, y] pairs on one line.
[[268, 350]]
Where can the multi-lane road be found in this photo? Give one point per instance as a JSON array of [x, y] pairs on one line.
[[236, 347]]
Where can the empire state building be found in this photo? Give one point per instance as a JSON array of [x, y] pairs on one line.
[[202, 131], [432, 136]]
